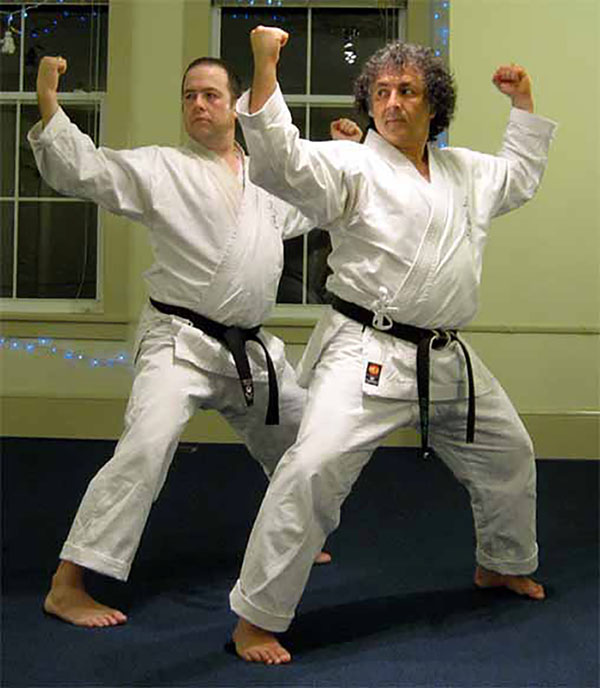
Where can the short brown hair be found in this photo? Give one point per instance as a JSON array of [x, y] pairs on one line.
[[233, 80]]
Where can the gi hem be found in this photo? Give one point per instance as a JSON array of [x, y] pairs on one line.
[[506, 567], [95, 561], [242, 606]]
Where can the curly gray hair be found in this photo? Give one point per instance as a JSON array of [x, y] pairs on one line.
[[440, 90]]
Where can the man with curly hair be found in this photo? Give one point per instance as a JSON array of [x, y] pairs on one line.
[[408, 223]]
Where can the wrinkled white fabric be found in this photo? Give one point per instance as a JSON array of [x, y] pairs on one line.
[[411, 250], [217, 244], [396, 237], [166, 392]]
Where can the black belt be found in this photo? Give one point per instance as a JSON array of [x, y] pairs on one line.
[[234, 338], [425, 340]]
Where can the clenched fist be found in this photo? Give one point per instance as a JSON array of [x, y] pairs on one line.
[[266, 42], [49, 71], [514, 82], [345, 129]]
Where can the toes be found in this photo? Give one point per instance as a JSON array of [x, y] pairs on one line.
[[266, 655], [323, 558], [103, 620], [285, 656], [536, 591]]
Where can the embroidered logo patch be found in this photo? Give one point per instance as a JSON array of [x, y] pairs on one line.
[[373, 373]]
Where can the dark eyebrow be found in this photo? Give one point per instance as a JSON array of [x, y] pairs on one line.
[[208, 89], [404, 81]]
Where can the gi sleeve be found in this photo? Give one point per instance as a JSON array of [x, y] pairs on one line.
[[71, 164], [512, 177], [291, 221], [307, 174]]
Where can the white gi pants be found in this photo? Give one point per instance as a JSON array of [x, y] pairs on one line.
[[166, 393], [340, 430]]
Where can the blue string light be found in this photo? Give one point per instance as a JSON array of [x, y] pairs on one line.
[[25, 12], [44, 345], [441, 35]]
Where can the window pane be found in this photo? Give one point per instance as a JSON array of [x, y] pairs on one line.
[[299, 119], [86, 117], [322, 117], [9, 61], [57, 250], [319, 247], [78, 33], [341, 43], [8, 116], [236, 25], [6, 244], [290, 286]]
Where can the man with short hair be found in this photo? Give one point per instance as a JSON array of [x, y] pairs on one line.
[[408, 223], [217, 242]]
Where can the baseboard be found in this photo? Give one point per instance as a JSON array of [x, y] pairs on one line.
[[573, 435]]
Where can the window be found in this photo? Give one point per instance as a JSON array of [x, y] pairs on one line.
[[328, 42], [50, 243]]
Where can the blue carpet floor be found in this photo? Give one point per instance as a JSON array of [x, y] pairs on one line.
[[395, 608]]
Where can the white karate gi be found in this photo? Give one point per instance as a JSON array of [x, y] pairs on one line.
[[412, 249], [217, 243]]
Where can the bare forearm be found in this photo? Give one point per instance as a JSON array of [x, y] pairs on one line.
[[264, 83], [49, 71], [47, 104], [523, 103]]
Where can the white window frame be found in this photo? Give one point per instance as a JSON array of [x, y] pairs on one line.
[[305, 313], [19, 98]]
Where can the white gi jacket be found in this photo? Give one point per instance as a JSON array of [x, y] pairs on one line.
[[403, 245], [217, 239]]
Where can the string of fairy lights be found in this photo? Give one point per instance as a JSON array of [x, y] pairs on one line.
[[45, 24], [49, 347]]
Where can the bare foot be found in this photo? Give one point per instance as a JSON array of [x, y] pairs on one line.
[[522, 585], [257, 645], [69, 601], [323, 558]]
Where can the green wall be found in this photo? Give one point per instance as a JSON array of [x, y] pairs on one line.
[[540, 307], [539, 321]]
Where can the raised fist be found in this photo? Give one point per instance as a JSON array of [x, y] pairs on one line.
[[514, 82], [345, 129], [266, 42], [50, 70]]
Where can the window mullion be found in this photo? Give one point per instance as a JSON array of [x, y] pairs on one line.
[[216, 32], [96, 81], [16, 197], [18, 155], [22, 50]]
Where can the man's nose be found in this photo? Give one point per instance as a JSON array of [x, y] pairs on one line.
[[199, 101], [394, 100]]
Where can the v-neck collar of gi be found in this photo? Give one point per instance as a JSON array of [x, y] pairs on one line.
[[205, 152], [396, 158]]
